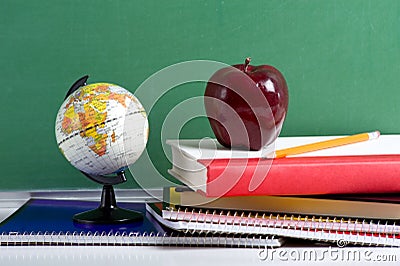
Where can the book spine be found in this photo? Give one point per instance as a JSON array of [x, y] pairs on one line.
[[303, 175]]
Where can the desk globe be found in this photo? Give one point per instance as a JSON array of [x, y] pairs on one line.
[[101, 129]]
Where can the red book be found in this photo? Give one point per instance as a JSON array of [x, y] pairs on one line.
[[305, 175]]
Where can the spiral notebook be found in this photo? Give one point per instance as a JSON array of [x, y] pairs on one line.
[[49, 222], [329, 229]]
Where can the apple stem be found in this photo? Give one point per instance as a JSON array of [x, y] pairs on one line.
[[246, 63]]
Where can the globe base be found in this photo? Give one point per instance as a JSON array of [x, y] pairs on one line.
[[108, 212], [107, 216]]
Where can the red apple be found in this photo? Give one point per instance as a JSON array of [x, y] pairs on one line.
[[246, 105]]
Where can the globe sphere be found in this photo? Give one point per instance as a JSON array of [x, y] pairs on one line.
[[101, 128]]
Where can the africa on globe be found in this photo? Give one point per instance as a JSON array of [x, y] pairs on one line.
[[101, 128]]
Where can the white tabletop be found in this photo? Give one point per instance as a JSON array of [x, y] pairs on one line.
[[195, 256]]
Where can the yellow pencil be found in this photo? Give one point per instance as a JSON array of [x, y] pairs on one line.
[[327, 144]]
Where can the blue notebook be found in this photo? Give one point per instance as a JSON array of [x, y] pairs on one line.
[[49, 222]]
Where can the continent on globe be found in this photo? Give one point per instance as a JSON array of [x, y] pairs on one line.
[[101, 128]]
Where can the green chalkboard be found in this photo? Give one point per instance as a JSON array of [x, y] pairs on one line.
[[341, 60]]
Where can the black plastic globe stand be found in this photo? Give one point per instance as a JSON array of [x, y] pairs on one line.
[[108, 212]]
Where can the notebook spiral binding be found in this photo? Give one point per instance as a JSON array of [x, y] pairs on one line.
[[343, 231], [132, 239]]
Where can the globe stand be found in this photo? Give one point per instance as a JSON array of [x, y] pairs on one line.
[[108, 212]]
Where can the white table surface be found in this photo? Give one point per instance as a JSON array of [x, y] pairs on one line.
[[191, 256]]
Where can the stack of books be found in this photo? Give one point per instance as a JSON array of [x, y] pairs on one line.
[[345, 194]]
